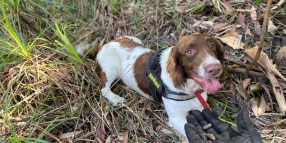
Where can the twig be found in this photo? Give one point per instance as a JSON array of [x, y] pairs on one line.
[[278, 4], [277, 123], [240, 63], [241, 70], [265, 22]]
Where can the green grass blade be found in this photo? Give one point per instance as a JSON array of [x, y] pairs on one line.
[[26, 140]]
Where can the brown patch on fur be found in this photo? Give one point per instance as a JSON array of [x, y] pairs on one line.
[[126, 42], [103, 80], [181, 65], [140, 68], [103, 77]]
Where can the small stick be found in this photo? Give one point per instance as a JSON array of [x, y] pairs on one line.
[[241, 63], [241, 70], [277, 123], [265, 22]]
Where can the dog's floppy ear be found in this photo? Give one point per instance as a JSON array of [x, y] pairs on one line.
[[175, 69], [219, 50]]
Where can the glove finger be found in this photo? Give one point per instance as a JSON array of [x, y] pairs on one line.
[[246, 128], [212, 131], [200, 117], [224, 137], [203, 122], [193, 120], [217, 124], [192, 133]]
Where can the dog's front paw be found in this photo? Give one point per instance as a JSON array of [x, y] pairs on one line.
[[117, 101]]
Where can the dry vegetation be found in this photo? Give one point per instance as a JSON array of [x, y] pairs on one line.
[[49, 94]]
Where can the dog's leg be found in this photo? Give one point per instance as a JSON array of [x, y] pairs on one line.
[[108, 76], [178, 124]]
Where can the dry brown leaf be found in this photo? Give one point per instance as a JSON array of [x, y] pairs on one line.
[[263, 61], [228, 8], [281, 56], [255, 21], [258, 105], [253, 13], [248, 32], [257, 27], [125, 137], [255, 86], [254, 106], [271, 27], [235, 65], [197, 23], [102, 133], [232, 39], [245, 83], [284, 30], [231, 88], [219, 26], [262, 106], [278, 92], [241, 20], [269, 96], [241, 91], [69, 134]]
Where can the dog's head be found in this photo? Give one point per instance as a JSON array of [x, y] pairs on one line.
[[199, 57]]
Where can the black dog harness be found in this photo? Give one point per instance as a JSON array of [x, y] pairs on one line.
[[157, 85]]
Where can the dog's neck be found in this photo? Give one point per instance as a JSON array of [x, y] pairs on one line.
[[188, 85]]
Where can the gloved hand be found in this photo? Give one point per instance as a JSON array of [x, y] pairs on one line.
[[219, 132]]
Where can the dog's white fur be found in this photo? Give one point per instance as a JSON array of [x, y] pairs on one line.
[[117, 63]]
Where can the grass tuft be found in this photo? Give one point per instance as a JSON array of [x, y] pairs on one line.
[[67, 45]]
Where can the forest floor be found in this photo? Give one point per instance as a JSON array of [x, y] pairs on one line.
[[50, 94]]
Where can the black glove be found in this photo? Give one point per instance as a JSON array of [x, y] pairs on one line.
[[219, 132]]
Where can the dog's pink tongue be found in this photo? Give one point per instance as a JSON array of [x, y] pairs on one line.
[[210, 85]]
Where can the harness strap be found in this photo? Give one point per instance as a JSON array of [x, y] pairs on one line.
[[153, 90]]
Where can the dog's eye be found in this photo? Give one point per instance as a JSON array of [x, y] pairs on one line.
[[189, 52]]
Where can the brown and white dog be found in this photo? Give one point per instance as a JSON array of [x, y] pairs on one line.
[[194, 63]]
